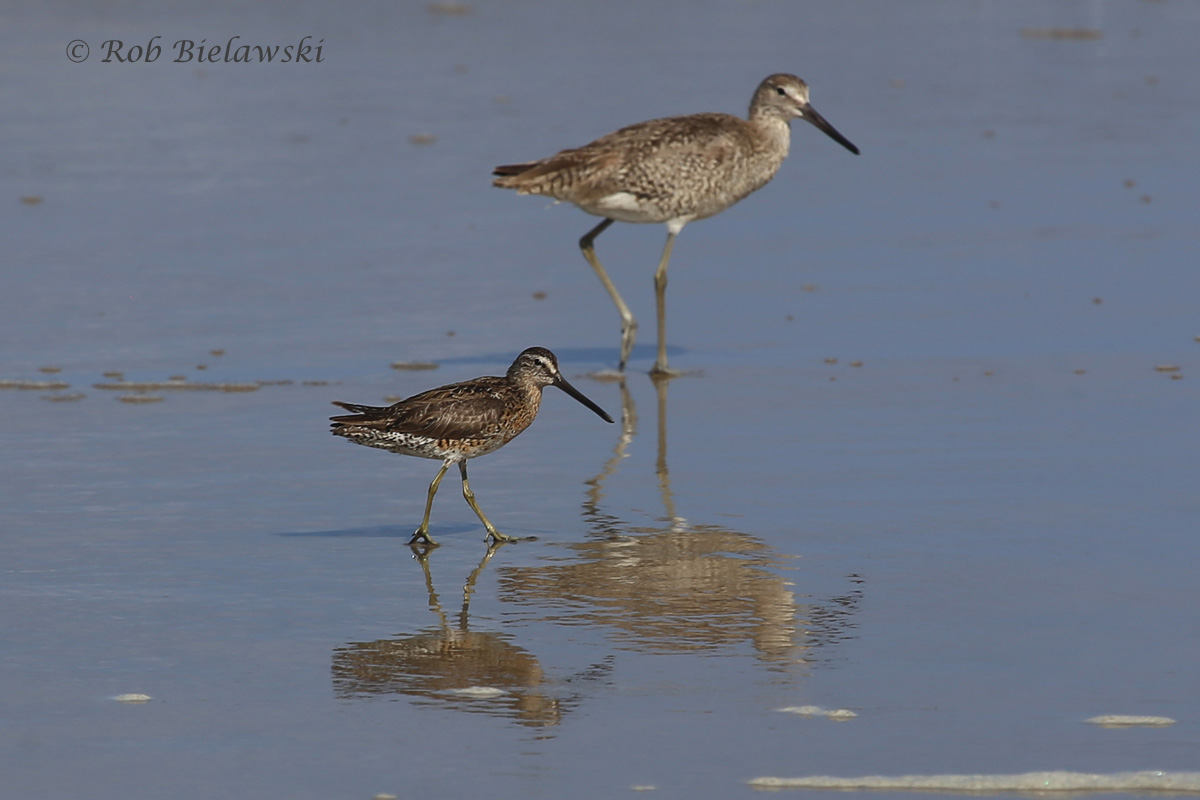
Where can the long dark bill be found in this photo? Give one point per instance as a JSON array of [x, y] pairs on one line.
[[562, 383], [820, 122]]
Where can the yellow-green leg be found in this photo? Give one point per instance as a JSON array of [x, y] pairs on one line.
[[660, 303], [628, 323], [469, 496], [423, 531]]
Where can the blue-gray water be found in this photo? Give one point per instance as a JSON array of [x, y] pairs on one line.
[[930, 471]]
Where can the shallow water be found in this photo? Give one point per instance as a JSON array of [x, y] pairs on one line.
[[930, 470]]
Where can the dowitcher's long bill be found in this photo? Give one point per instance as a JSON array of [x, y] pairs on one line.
[[671, 171], [460, 421]]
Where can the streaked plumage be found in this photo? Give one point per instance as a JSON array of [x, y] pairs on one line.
[[460, 421], [671, 171]]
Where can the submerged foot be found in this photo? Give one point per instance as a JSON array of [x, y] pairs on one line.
[[496, 538], [422, 538], [661, 371]]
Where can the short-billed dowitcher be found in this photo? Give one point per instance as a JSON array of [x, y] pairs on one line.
[[460, 421], [671, 171]]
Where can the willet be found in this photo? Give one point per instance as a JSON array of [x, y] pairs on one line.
[[672, 170]]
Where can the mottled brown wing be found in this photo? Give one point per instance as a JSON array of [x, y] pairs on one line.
[[458, 411], [644, 159], [713, 137], [646, 139], [559, 174], [552, 177]]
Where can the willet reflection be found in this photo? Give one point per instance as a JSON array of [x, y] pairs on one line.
[[678, 586], [451, 665]]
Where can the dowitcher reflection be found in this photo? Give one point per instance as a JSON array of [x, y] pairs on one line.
[[671, 171], [450, 664], [461, 421]]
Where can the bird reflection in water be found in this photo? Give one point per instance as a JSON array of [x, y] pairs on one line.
[[451, 665], [671, 587], [679, 586]]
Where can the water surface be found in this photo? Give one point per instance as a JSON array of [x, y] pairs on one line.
[[938, 466]]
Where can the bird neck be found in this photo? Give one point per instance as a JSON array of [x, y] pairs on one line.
[[774, 134], [532, 392]]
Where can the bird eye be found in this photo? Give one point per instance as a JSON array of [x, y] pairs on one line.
[[779, 91]]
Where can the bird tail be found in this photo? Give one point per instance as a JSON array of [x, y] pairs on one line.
[[360, 415], [513, 169], [515, 176]]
